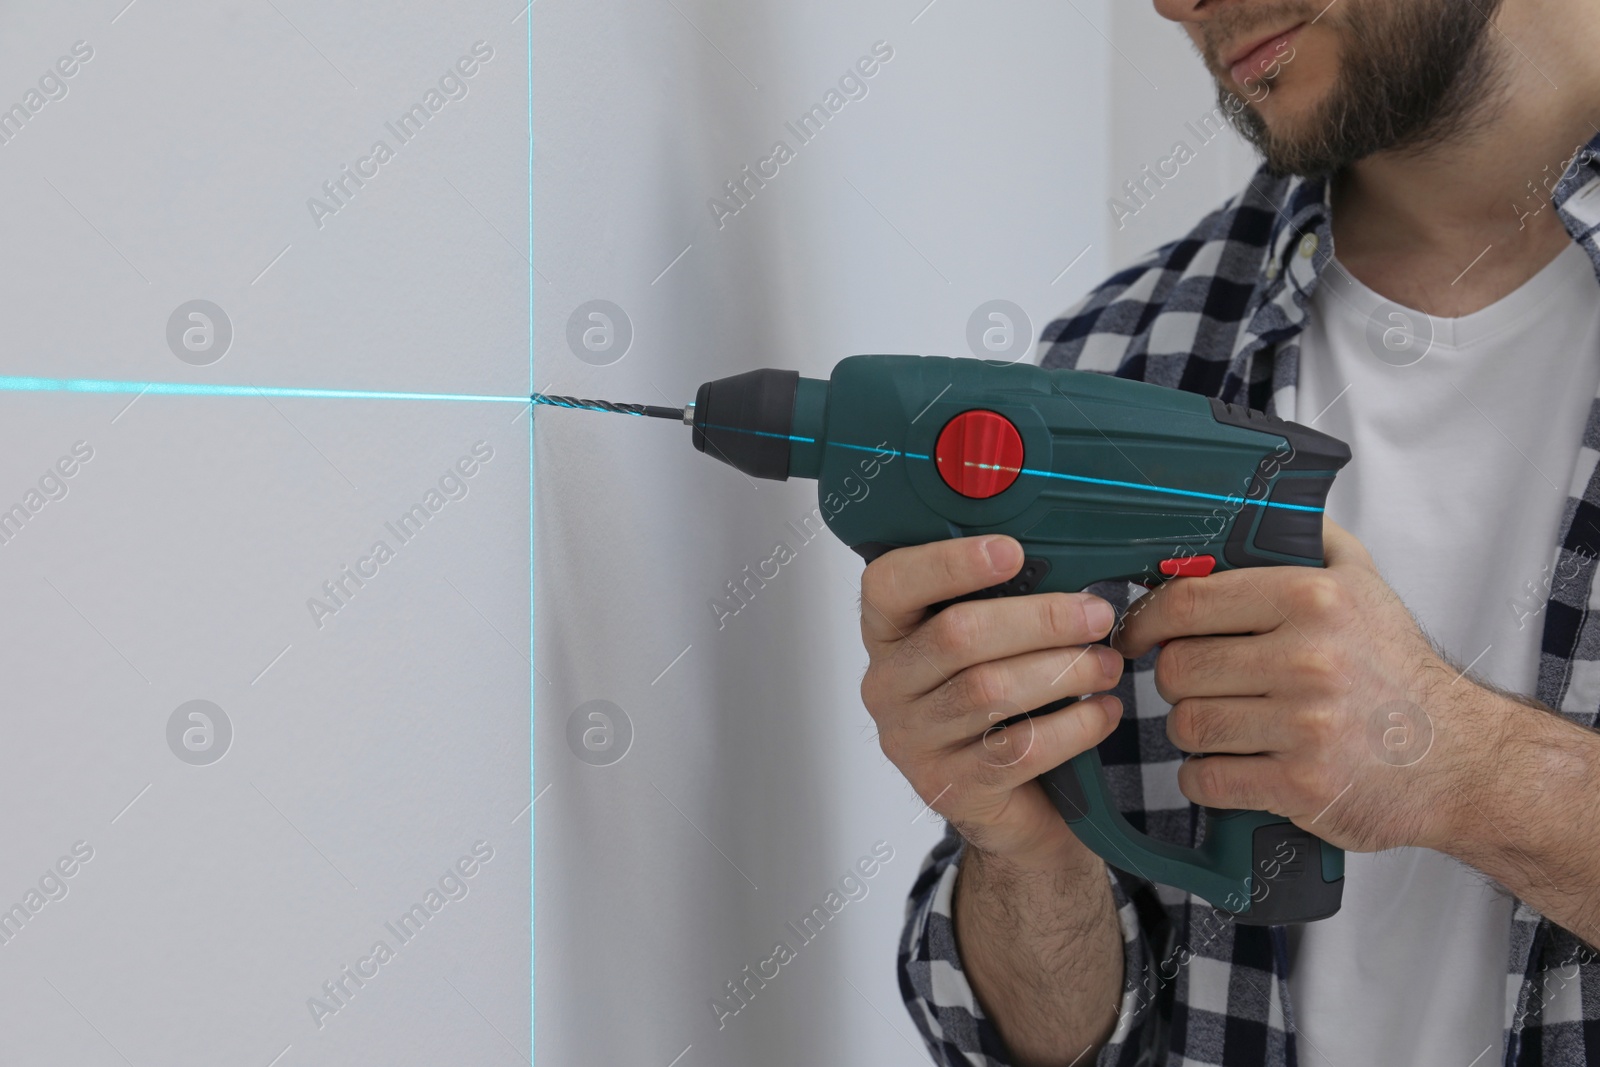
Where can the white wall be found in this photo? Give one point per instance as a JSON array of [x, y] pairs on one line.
[[1160, 92], [375, 750]]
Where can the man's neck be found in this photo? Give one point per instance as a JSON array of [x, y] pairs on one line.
[[1452, 230]]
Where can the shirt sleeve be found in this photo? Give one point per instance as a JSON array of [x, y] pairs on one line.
[[946, 1010]]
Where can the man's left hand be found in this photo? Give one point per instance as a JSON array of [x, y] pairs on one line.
[[1325, 703]]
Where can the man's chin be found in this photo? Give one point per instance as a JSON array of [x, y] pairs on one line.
[[1284, 125]]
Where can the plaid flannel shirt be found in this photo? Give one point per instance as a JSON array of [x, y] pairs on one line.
[[1219, 313]]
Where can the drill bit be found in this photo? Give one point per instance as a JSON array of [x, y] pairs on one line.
[[654, 411]]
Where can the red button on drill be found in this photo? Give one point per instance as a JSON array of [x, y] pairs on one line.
[[979, 454], [1188, 566]]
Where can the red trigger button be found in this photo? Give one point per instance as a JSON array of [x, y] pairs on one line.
[[1188, 566]]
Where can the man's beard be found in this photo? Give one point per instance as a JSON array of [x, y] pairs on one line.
[[1414, 74]]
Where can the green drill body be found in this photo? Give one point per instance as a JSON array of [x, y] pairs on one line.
[[1100, 479]]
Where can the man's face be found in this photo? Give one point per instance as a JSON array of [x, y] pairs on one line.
[[1330, 84]]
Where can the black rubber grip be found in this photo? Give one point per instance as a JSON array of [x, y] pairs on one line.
[[1289, 531], [1309, 450], [1299, 474], [1286, 883], [1061, 783]]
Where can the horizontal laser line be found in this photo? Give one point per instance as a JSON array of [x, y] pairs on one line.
[[1153, 488], [13, 384], [1219, 497], [97, 385], [764, 433]]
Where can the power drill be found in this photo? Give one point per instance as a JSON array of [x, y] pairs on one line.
[[1100, 479]]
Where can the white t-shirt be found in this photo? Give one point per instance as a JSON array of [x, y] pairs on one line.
[[1463, 453]]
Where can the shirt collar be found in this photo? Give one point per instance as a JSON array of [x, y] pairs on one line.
[[1300, 247], [1577, 196]]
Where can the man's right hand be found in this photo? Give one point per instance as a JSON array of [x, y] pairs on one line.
[[939, 684], [1035, 922]]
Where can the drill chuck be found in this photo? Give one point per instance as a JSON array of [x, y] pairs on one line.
[[767, 423]]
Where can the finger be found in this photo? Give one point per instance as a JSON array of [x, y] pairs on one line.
[[1004, 759], [1231, 602], [982, 696], [982, 631], [898, 586], [1238, 725], [1253, 783], [1231, 666]]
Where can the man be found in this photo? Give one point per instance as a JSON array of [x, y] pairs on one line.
[[1414, 271]]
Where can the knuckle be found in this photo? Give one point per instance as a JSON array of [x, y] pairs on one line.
[[1319, 727], [1013, 748], [890, 744], [1184, 727], [883, 688], [1108, 668], [1179, 730], [873, 579], [1318, 595], [984, 685], [1210, 728], [1316, 672], [1060, 617], [872, 691], [1171, 669], [880, 584], [1314, 788], [1203, 778], [959, 560], [1326, 784], [1183, 602], [1207, 781], [899, 739], [954, 631], [1021, 756]]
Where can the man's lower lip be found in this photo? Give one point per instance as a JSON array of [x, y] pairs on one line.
[[1253, 64]]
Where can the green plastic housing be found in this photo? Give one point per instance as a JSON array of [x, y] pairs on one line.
[[1116, 477]]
